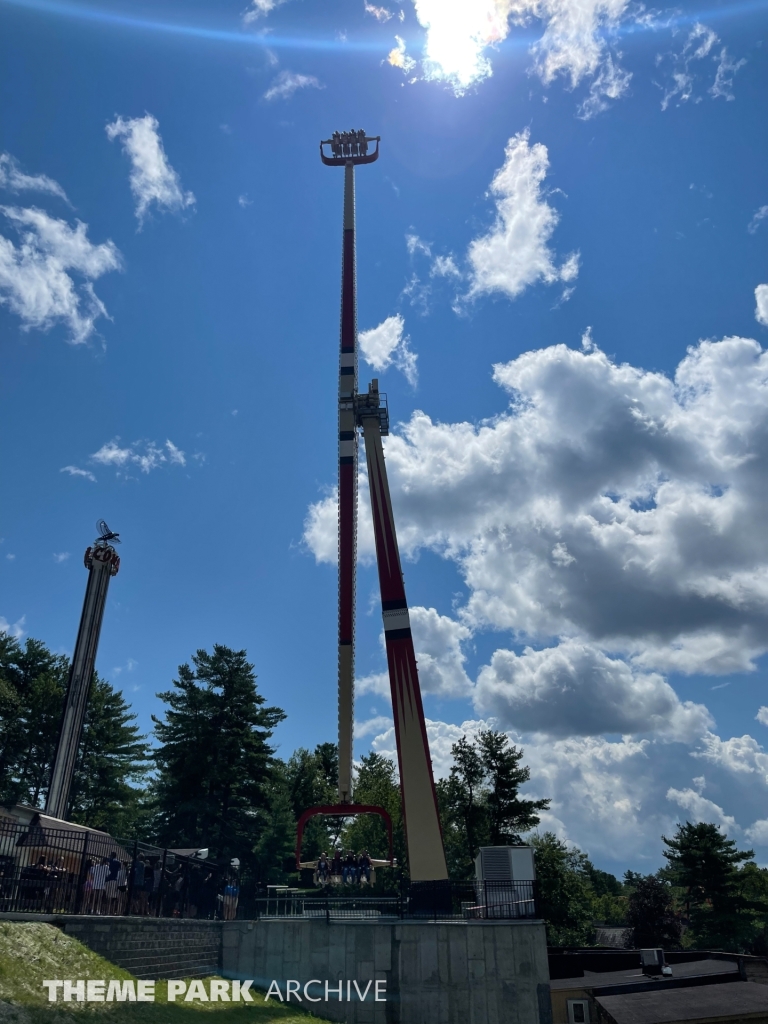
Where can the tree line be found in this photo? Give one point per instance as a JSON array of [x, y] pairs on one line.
[[211, 777]]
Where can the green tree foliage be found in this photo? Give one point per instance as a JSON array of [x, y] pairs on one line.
[[704, 865], [651, 913], [112, 764], [565, 894], [32, 685], [377, 782], [215, 764], [479, 801], [112, 758], [311, 779]]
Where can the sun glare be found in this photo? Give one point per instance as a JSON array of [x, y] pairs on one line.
[[457, 33]]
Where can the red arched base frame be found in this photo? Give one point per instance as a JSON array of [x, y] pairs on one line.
[[343, 811]]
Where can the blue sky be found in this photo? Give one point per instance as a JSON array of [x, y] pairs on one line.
[[563, 288]]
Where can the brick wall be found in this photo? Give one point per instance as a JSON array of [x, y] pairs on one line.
[[151, 947]]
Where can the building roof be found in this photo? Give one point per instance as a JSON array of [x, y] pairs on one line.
[[730, 1001], [634, 976]]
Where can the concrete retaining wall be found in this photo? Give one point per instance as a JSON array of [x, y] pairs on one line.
[[151, 947], [462, 972], [148, 947]]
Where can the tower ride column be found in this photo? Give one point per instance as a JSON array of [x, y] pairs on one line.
[[102, 563]]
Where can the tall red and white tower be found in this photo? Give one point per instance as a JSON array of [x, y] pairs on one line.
[[368, 412], [102, 563]]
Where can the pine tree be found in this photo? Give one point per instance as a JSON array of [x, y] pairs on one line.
[[112, 757], [704, 864], [215, 764], [112, 765], [479, 802]]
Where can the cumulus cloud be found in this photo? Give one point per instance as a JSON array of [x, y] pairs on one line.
[[609, 504], [697, 808], [762, 716], [387, 345], [287, 83], [515, 252], [437, 640], [39, 276], [153, 180], [575, 689], [62, 556], [14, 179], [146, 455], [761, 304]]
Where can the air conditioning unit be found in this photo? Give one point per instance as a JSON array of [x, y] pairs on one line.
[[505, 864], [505, 876]]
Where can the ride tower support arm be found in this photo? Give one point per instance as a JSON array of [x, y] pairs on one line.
[[102, 562], [426, 856], [347, 488]]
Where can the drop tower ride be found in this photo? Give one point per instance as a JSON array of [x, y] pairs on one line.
[[102, 562], [368, 412]]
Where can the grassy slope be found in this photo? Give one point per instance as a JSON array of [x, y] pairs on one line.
[[31, 952]]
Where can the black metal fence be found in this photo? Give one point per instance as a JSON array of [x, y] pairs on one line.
[[77, 871], [428, 901]]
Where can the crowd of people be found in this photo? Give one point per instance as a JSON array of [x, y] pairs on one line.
[[141, 886], [344, 868]]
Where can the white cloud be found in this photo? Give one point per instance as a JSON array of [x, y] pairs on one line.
[[515, 253], [398, 57], [726, 69], [62, 556], [372, 725], [14, 179], [759, 216], [11, 557], [652, 486], [260, 8], [761, 304], [16, 630], [244, 201], [153, 180], [287, 83], [699, 45], [576, 689], [738, 756], [146, 455], [37, 277], [573, 43], [758, 832], [762, 716], [697, 808], [386, 345], [414, 244], [444, 266], [76, 471], [381, 14], [437, 640]]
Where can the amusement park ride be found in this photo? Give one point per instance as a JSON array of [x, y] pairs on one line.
[[368, 412], [102, 563]]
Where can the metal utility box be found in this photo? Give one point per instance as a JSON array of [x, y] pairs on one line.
[[505, 864]]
